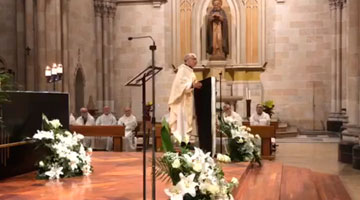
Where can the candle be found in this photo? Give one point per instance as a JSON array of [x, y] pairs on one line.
[[249, 94], [246, 93]]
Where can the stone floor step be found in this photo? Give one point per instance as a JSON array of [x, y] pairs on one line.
[[290, 132]]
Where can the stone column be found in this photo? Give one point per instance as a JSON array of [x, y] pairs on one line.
[[337, 117], [65, 45], [29, 42], [112, 11], [41, 44], [99, 64], [20, 43], [105, 48]]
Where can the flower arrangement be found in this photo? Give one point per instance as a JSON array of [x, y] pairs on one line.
[[194, 174], [242, 145], [67, 156], [269, 107]]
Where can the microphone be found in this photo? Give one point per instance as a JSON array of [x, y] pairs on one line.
[[141, 37]]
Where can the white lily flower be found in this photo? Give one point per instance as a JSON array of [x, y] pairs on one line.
[[176, 163], [54, 173], [55, 123], [44, 135], [175, 193], [41, 164], [235, 181], [187, 184]]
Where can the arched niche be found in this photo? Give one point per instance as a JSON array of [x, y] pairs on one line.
[[2, 63], [79, 88], [199, 17]]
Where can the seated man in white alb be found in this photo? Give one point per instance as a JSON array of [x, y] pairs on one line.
[[129, 121], [231, 116], [106, 119], [86, 119], [260, 117]]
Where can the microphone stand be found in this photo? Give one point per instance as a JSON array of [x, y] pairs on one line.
[[221, 114], [153, 48], [153, 120]]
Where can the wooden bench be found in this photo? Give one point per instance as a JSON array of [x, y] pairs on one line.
[[117, 132], [266, 133], [139, 134]]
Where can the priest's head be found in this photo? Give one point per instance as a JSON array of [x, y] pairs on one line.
[[84, 112], [127, 111], [106, 110], [190, 60], [227, 108], [259, 109]]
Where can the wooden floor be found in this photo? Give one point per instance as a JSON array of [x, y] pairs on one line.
[[119, 176]]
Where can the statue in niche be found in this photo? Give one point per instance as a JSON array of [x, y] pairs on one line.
[[217, 40]]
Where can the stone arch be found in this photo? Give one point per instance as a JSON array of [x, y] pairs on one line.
[[79, 86], [2, 63], [198, 30]]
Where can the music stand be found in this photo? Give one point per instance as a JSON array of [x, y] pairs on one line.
[[140, 80]]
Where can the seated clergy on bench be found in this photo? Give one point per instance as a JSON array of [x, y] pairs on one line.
[[129, 121], [86, 119], [106, 119], [260, 118], [231, 116]]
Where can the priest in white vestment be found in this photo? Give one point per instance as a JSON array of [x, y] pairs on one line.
[[86, 119], [129, 121], [181, 101], [106, 119], [231, 116], [260, 118], [72, 120]]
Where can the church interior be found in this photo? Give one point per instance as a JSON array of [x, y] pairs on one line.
[[297, 60]]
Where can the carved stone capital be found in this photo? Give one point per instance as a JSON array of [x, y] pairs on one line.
[[337, 4], [105, 8]]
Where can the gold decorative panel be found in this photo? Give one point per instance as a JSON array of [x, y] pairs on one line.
[[186, 7], [252, 31]]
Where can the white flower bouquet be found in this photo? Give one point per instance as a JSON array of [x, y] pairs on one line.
[[242, 145], [66, 157], [194, 175]]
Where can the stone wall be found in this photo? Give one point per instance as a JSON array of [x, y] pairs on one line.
[[299, 47], [8, 33], [351, 60], [131, 57], [81, 34]]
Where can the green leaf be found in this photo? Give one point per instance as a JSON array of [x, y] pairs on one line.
[[167, 145]]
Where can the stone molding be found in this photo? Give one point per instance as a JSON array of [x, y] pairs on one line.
[[156, 3], [337, 4]]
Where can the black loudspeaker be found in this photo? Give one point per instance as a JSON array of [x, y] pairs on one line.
[[22, 117]]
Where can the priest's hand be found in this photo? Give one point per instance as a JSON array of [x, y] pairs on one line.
[[197, 85]]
